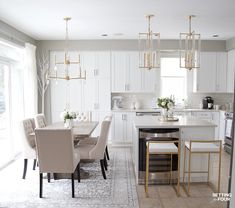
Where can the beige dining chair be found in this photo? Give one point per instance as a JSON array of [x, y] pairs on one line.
[[28, 143], [93, 141], [40, 121], [96, 151], [83, 116], [59, 158]]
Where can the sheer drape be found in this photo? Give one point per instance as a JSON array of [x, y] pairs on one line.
[[30, 81]]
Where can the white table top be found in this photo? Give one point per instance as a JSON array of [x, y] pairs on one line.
[[80, 129], [155, 122]]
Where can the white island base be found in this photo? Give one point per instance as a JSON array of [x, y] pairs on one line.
[[189, 129]]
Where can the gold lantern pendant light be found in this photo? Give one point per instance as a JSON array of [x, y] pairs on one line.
[[67, 62], [190, 47], [149, 48]]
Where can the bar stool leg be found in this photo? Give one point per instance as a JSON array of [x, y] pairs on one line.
[[184, 163], [208, 176], [189, 171], [178, 184], [219, 167], [171, 171], [147, 170]]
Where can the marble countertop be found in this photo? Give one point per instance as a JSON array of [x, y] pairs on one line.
[[159, 109], [155, 122]]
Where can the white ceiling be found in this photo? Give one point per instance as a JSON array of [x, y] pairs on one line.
[[43, 19]]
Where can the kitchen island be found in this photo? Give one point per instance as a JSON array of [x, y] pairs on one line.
[[186, 128]]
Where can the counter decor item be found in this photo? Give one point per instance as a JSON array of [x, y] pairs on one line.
[[68, 117], [166, 104]]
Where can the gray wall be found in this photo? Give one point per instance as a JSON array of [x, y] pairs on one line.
[[46, 45], [11, 34]]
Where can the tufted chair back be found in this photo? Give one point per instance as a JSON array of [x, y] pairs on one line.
[[84, 116], [28, 138], [40, 120]]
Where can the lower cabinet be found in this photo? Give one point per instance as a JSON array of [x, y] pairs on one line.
[[122, 128], [213, 117]]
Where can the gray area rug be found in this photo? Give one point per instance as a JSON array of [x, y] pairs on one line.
[[119, 190]]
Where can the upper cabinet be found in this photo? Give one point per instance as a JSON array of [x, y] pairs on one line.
[[128, 77], [212, 74], [231, 69], [96, 63]]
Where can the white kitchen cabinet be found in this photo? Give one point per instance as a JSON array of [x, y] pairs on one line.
[[63, 92], [205, 76], [150, 80], [212, 117], [212, 74], [97, 94], [128, 77], [231, 70], [221, 71], [122, 128], [92, 94], [182, 113], [96, 63], [222, 126]]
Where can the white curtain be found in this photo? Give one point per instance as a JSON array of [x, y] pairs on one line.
[[30, 81]]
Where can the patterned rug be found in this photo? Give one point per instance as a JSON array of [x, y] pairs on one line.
[[119, 190]]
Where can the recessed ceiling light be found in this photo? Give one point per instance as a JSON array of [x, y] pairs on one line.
[[117, 34], [215, 36], [104, 35]]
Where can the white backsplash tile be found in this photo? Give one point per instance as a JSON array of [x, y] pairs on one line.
[[148, 100]]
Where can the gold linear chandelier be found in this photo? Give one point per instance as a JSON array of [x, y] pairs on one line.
[[149, 48], [190, 47], [67, 62]]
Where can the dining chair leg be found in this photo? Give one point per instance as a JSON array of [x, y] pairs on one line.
[[105, 163], [40, 184], [107, 152], [48, 177], [102, 168], [34, 164], [72, 182], [25, 168], [78, 172]]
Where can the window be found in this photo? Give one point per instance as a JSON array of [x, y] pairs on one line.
[[11, 101], [173, 79]]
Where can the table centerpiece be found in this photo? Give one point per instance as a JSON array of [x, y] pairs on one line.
[[68, 117]]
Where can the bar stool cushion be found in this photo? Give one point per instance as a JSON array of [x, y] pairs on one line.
[[202, 147], [155, 148]]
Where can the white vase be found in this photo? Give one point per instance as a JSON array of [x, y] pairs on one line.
[[68, 123], [165, 114]]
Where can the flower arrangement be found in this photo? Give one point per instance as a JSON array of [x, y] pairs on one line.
[[166, 103], [66, 114]]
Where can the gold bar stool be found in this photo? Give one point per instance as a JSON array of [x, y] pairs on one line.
[[202, 147], [162, 147]]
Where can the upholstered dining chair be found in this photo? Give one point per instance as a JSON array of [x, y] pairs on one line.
[[84, 116], [28, 143], [93, 140], [96, 151], [59, 158], [40, 120]]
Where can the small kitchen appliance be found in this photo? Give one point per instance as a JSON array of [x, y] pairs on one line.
[[117, 102], [207, 102]]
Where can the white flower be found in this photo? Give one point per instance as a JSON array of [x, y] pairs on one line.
[[62, 114], [170, 105], [163, 103]]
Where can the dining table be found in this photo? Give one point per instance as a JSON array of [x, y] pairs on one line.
[[80, 130]]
